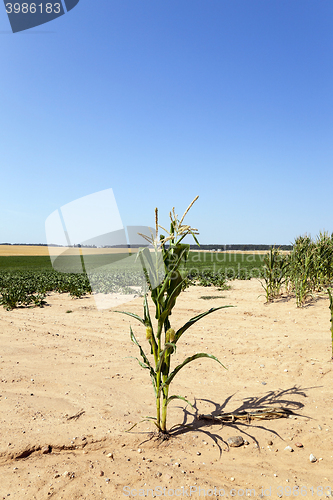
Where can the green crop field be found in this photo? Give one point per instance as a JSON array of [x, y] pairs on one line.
[[26, 280], [232, 265], [31, 263], [200, 261]]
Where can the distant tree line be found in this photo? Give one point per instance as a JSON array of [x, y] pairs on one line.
[[221, 248]]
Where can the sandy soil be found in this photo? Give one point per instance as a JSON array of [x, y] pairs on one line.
[[70, 390], [35, 250]]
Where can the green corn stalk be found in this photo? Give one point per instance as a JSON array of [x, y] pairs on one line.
[[301, 270], [161, 337], [275, 266], [331, 309]]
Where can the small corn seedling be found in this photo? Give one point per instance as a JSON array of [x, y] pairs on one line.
[[331, 309], [161, 337]]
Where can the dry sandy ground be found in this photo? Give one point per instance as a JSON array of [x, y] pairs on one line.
[[57, 364], [34, 250]]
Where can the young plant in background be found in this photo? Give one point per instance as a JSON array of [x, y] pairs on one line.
[[160, 335], [274, 273], [331, 309]]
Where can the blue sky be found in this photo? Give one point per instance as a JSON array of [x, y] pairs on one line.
[[164, 100]]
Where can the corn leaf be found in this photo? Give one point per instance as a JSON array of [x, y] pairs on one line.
[[168, 345], [179, 397], [147, 319], [132, 315], [184, 363], [145, 359], [187, 325], [195, 239]]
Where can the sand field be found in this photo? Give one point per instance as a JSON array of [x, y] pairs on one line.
[[70, 390]]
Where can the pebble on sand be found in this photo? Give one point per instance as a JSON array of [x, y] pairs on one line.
[[235, 441]]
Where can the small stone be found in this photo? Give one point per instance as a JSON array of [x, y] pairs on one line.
[[101, 473], [107, 480], [264, 383], [285, 370], [288, 448], [110, 455], [299, 445], [235, 441], [262, 366], [312, 458], [246, 442], [139, 450], [232, 479], [158, 474], [176, 464], [270, 443], [66, 473], [46, 450], [320, 427], [198, 453]]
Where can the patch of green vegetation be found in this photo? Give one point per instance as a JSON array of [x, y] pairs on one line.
[[216, 262], [229, 265], [26, 280], [25, 263]]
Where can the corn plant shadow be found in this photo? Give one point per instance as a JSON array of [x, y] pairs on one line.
[[310, 301], [278, 398]]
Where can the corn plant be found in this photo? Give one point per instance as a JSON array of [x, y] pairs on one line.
[[323, 262], [300, 269], [161, 337], [331, 309], [274, 273], [310, 266]]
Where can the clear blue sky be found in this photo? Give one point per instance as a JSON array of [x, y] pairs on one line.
[[162, 100]]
